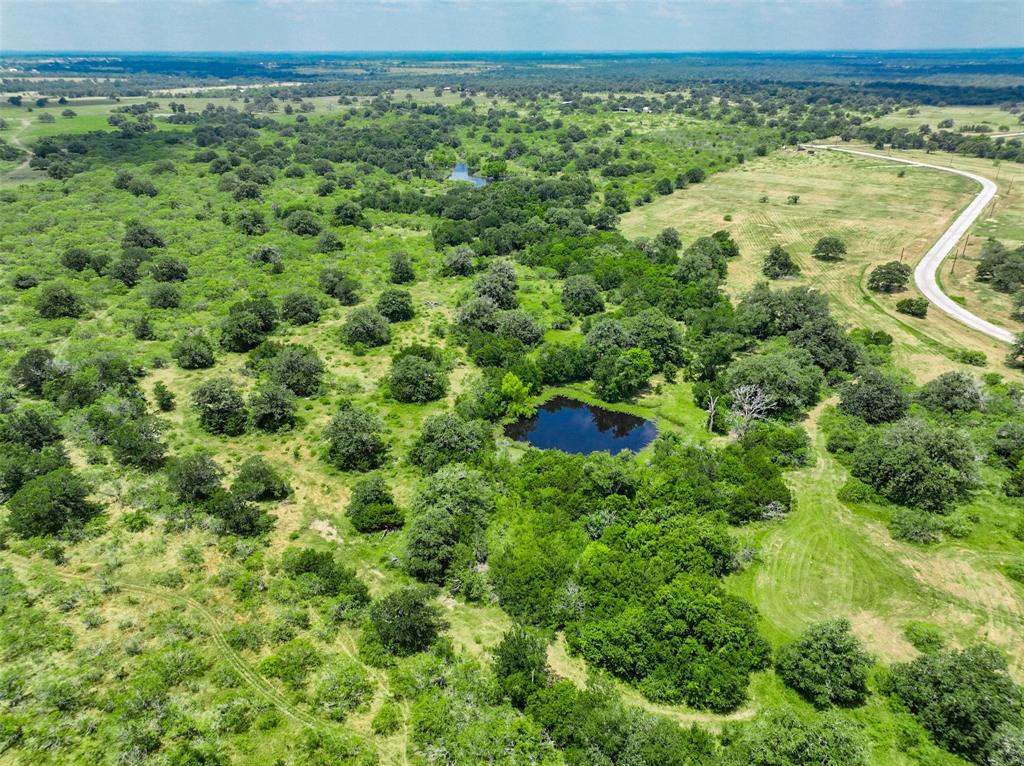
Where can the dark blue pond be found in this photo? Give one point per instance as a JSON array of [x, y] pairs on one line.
[[461, 173], [572, 426]]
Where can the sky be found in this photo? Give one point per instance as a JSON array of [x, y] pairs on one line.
[[500, 25]]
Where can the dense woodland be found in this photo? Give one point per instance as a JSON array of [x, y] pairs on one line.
[[200, 318]]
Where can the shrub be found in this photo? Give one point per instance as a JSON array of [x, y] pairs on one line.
[[951, 392], [292, 663], [829, 249], [371, 507], [300, 308], [168, 269], [779, 264], [520, 664], [395, 305], [194, 478], [406, 621], [401, 271], [449, 438], [339, 285], [341, 688], [76, 259], [164, 296], [366, 326], [961, 697], [220, 407], [827, 664], [193, 351], [458, 262], [257, 480], [499, 284], [890, 277], [297, 368], [32, 369], [924, 637], [917, 464], [518, 325], [56, 300], [355, 440], [49, 504], [780, 737], [415, 379], [272, 407], [874, 398], [581, 295], [915, 307]]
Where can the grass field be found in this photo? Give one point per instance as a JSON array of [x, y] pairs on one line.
[[998, 120], [878, 214]]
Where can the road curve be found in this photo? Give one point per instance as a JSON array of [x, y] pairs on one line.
[[925, 273]]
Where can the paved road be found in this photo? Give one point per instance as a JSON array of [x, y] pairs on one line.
[[924, 274]]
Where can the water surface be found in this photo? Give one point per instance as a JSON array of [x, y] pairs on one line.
[[461, 173], [572, 426]]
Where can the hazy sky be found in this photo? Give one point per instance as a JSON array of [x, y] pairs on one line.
[[394, 25]]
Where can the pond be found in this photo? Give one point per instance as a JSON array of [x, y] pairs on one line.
[[461, 173], [572, 426]]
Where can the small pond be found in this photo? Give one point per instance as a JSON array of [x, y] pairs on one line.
[[573, 426], [461, 173]]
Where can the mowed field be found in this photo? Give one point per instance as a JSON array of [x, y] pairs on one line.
[[880, 215], [830, 559], [992, 117]]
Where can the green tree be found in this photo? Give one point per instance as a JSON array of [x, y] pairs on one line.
[[406, 620], [258, 480], [56, 300], [829, 249], [371, 506], [874, 397], [962, 697], [220, 407], [49, 504], [272, 407], [415, 379], [193, 351], [581, 295], [891, 277], [520, 664], [779, 264], [356, 440], [449, 438], [395, 305], [300, 308], [499, 284], [194, 478], [401, 271], [827, 664], [366, 326]]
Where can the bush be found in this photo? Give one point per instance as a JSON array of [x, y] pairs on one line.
[[961, 697], [194, 478], [400, 271], [915, 307], [918, 465], [355, 440], [827, 664], [297, 368], [168, 269], [448, 438], [780, 737], [272, 407], [220, 407], [406, 621], [395, 305], [520, 664], [49, 504], [366, 326], [76, 259], [458, 262], [951, 392], [300, 308], [499, 284], [32, 369], [164, 296], [371, 507], [581, 295], [518, 325], [193, 351], [778, 264], [257, 480], [874, 397], [339, 285], [56, 300], [891, 277], [415, 379], [829, 249], [342, 688]]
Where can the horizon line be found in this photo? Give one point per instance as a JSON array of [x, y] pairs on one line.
[[494, 51]]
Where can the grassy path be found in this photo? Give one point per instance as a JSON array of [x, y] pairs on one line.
[[826, 561]]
